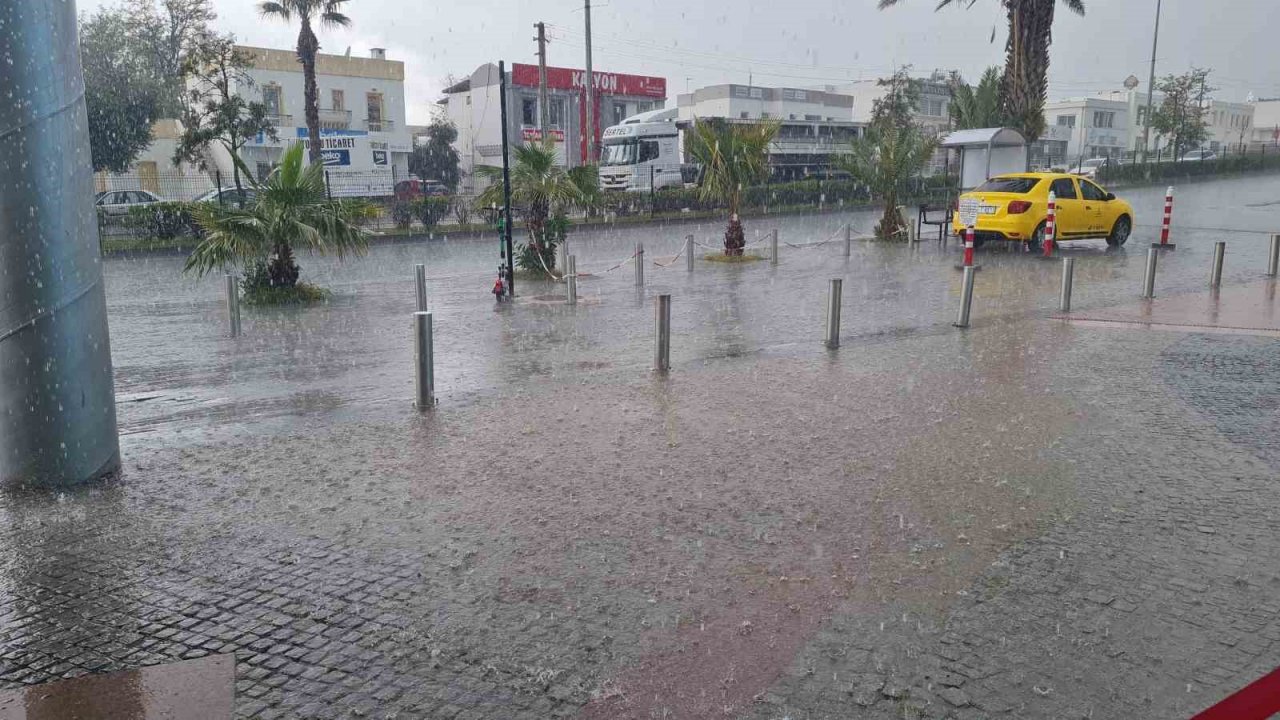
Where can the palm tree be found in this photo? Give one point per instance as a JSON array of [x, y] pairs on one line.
[[290, 209], [329, 15], [543, 190], [885, 159], [1026, 68], [977, 107], [733, 156]]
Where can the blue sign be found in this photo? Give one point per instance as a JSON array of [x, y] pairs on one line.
[[336, 157], [379, 157]]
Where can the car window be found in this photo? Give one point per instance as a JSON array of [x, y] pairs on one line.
[[135, 197], [1089, 191], [1064, 189], [1008, 185]]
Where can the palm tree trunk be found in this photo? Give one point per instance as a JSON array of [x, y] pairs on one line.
[[1025, 83], [308, 46]]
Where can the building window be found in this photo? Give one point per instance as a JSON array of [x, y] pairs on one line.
[[339, 99], [1067, 121], [373, 101], [1103, 119], [271, 99], [644, 106], [743, 115], [739, 91], [813, 118], [765, 116], [795, 95], [619, 113], [756, 93], [556, 114], [528, 111]]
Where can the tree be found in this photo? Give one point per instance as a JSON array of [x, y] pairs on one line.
[[327, 13], [977, 106], [214, 108], [122, 90], [291, 209], [900, 103], [436, 159], [168, 37], [733, 156], [543, 191], [1024, 87], [1181, 114]]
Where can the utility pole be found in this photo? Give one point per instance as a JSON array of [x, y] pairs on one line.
[[543, 101], [1151, 85], [506, 181], [591, 93]]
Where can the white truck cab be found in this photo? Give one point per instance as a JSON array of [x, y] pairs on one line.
[[642, 153]]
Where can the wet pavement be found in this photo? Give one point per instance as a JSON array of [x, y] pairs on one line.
[[1030, 518], [201, 689]]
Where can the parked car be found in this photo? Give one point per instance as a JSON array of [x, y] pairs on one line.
[[1014, 207], [413, 188], [1199, 156], [118, 202], [1089, 168], [228, 196]]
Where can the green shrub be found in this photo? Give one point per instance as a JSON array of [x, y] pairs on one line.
[[163, 220], [462, 210], [430, 210], [402, 213], [1168, 171], [258, 289]]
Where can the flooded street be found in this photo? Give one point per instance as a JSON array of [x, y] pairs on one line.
[[1029, 518]]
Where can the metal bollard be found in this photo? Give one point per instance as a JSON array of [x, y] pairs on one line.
[[662, 334], [688, 256], [773, 248], [1149, 279], [966, 298], [848, 240], [562, 255], [1068, 275], [571, 279], [233, 306], [639, 264], [1219, 254], [420, 275], [1273, 263], [833, 313], [424, 362]]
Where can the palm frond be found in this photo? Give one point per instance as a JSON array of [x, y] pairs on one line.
[[274, 9], [1075, 6], [334, 19]]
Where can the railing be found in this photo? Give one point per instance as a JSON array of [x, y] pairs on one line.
[[281, 120], [337, 119], [379, 125]]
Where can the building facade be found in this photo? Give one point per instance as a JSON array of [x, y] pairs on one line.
[[1229, 124], [473, 106], [932, 111], [1092, 127], [1266, 122], [814, 125]]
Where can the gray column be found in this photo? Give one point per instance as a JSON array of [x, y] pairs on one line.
[[57, 402]]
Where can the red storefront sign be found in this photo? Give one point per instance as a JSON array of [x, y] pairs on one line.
[[606, 83]]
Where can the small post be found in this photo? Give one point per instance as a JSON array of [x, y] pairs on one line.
[[688, 253], [652, 198], [968, 246], [420, 278], [328, 189], [1273, 263], [773, 247], [217, 177], [571, 279], [848, 240], [424, 362], [639, 264], [1219, 254], [1068, 273], [833, 313], [1051, 225], [662, 334], [1149, 278], [966, 298], [1164, 243], [233, 306]]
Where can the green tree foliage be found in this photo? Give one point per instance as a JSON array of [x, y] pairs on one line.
[[328, 14], [542, 191], [291, 210], [733, 157], [167, 35], [1182, 114], [215, 109], [977, 106], [122, 90], [1025, 84], [436, 159]]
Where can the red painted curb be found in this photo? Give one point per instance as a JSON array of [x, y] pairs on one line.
[[1258, 700]]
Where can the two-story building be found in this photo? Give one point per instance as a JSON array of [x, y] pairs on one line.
[[1092, 127]]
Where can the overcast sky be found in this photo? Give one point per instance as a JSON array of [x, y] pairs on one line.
[[790, 42]]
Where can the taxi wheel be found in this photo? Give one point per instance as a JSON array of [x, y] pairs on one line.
[[1037, 240], [1120, 232]]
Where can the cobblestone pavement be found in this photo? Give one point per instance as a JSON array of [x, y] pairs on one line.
[[1027, 519]]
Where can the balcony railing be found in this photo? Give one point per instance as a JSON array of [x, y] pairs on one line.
[[281, 120], [379, 125], [336, 119]]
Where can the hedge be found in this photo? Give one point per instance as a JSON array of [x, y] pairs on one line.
[[1158, 172], [162, 220], [801, 192]]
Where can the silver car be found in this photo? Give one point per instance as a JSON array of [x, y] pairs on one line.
[[118, 202]]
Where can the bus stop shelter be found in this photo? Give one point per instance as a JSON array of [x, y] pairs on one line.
[[985, 152]]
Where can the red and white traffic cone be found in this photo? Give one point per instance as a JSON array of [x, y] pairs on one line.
[[1164, 243], [1051, 225], [968, 246]]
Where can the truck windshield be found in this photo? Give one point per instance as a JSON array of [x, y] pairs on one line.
[[621, 154]]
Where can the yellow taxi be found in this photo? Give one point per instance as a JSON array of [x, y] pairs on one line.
[[1014, 207]]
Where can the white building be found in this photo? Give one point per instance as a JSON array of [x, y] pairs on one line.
[[932, 112], [1092, 127], [1229, 124], [814, 124], [362, 117], [1266, 122]]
